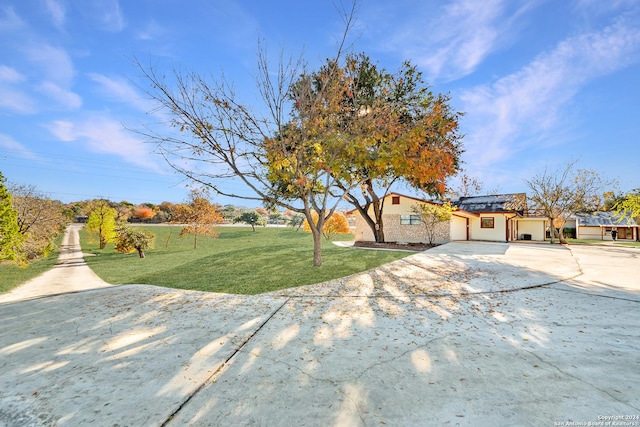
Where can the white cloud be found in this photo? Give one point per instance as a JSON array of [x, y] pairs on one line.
[[16, 101], [8, 143], [526, 106], [453, 41], [10, 21], [112, 17], [463, 36], [102, 134], [151, 31], [63, 130], [57, 12], [120, 90], [10, 75], [54, 62], [107, 13], [13, 98], [64, 97]]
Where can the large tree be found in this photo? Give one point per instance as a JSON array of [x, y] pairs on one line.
[[559, 194], [379, 128], [10, 237], [270, 148]]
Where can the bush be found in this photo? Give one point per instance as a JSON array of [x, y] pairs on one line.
[[336, 224], [133, 239]]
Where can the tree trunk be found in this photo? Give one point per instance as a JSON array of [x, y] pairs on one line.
[[253, 227], [195, 240], [372, 201], [316, 232], [561, 237], [376, 203], [141, 253], [552, 229], [317, 247], [379, 233]]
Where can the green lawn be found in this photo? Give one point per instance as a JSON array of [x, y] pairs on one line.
[[629, 243], [239, 261], [12, 275]]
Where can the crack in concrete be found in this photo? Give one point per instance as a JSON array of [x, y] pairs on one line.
[[591, 294], [558, 369], [581, 380], [218, 372], [358, 375]]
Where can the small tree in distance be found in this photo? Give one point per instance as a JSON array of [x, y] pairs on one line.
[[198, 216], [130, 239], [252, 218], [102, 221], [296, 221], [336, 224], [143, 212]]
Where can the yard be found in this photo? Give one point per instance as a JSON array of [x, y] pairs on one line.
[[239, 261]]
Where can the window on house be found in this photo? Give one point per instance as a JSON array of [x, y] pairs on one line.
[[486, 222], [410, 219], [395, 200]]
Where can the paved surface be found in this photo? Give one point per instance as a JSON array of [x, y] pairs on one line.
[[465, 334], [70, 274]]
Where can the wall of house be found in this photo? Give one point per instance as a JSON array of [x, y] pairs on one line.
[[534, 227], [496, 234], [394, 231], [458, 229], [596, 233], [405, 207], [363, 232]]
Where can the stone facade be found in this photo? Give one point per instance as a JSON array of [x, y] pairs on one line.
[[394, 231]]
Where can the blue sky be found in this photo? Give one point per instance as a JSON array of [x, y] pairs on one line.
[[541, 82]]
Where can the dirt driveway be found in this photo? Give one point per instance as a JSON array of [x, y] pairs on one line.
[[465, 334]]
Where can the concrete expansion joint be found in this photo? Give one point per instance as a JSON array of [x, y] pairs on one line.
[[224, 365]]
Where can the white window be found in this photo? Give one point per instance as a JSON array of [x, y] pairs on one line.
[[410, 219]]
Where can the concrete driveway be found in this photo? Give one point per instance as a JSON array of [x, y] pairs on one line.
[[465, 334]]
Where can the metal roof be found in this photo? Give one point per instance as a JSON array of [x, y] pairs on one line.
[[605, 219]]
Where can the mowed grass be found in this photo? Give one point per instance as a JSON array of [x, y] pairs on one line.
[[239, 261], [629, 243]]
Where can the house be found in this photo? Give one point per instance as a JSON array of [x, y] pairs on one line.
[[499, 218], [598, 226]]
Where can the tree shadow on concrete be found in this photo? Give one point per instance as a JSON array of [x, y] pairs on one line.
[[390, 346]]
